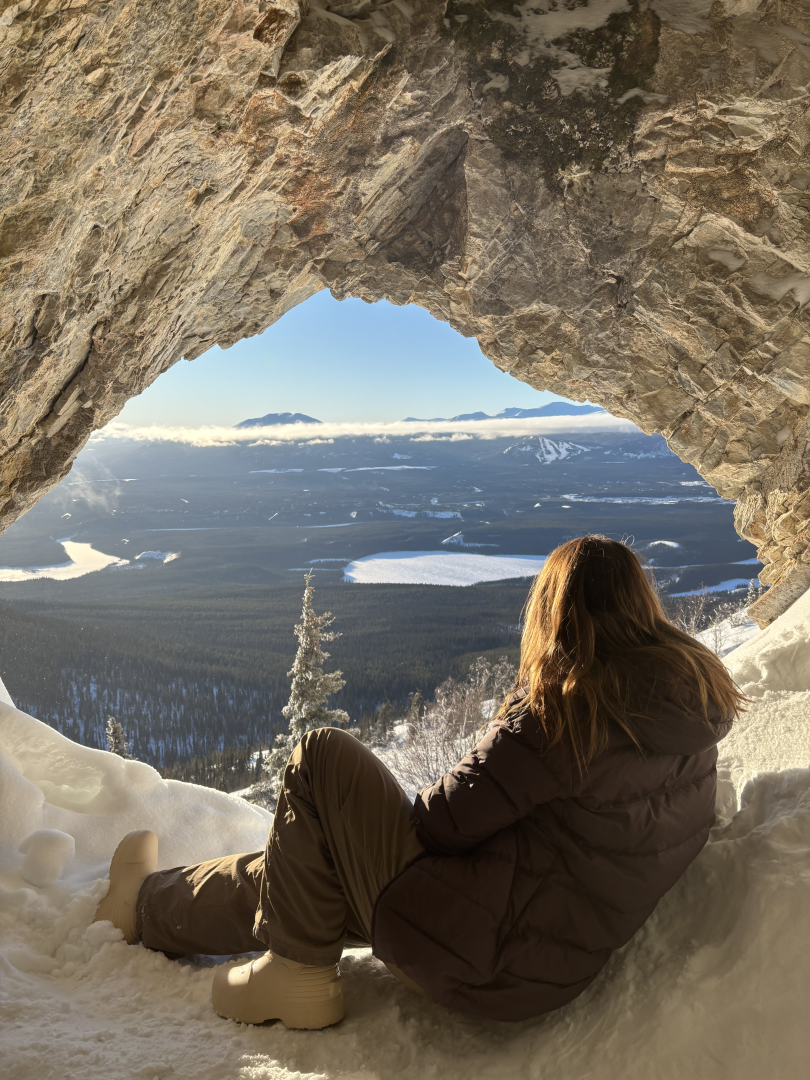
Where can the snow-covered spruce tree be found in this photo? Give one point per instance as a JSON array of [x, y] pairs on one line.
[[310, 688], [117, 742]]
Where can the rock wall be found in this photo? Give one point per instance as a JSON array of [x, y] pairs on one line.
[[613, 196]]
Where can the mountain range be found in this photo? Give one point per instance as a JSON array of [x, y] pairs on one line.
[[554, 408]]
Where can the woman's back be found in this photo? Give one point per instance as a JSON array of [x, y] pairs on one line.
[[535, 874]]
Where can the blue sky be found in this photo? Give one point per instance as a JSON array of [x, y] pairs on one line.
[[337, 361]]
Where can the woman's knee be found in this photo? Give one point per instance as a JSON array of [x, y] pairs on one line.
[[320, 742]]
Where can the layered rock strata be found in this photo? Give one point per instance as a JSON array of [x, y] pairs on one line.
[[613, 196]]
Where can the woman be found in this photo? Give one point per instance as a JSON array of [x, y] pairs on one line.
[[503, 891]]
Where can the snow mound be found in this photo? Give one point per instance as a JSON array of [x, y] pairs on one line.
[[715, 984], [49, 782], [778, 658], [47, 852]]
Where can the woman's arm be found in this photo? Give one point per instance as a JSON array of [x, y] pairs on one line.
[[500, 781]]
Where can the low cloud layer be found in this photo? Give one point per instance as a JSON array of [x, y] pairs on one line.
[[420, 431]]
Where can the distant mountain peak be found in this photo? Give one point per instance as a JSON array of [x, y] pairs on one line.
[[274, 419], [554, 408]]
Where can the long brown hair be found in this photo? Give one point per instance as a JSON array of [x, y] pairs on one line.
[[592, 620]]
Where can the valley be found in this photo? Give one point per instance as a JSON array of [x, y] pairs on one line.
[[160, 581]]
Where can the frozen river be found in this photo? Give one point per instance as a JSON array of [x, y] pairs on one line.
[[82, 559]]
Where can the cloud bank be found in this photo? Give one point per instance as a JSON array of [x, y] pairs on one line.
[[418, 431]]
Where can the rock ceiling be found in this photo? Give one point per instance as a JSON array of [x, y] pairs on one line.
[[613, 196]]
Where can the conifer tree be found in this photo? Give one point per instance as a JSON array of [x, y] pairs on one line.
[[310, 687], [116, 739], [385, 720], [755, 590], [416, 707]]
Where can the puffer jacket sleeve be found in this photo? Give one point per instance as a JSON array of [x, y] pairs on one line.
[[500, 781]]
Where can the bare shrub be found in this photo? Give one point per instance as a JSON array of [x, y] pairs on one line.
[[440, 734], [689, 613]]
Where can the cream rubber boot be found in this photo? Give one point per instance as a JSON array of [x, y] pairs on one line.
[[273, 988], [134, 860]]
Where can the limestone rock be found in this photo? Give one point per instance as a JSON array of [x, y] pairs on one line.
[[613, 196]]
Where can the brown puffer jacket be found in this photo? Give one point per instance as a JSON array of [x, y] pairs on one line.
[[534, 875]]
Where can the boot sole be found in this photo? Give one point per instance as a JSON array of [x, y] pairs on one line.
[[305, 1017]]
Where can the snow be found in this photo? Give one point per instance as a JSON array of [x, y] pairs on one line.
[[83, 559], [653, 500], [440, 568], [728, 634], [159, 556], [5, 696], [47, 852], [778, 658], [714, 986], [729, 585], [547, 450], [458, 539]]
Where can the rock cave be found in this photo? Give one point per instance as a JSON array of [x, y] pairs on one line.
[[612, 196]]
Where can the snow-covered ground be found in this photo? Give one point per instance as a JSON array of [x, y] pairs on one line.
[[83, 559], [715, 986], [729, 585], [439, 568], [159, 556], [727, 634]]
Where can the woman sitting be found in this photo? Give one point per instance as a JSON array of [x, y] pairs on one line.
[[504, 890]]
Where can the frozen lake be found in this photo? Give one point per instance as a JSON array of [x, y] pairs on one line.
[[439, 568], [83, 559]]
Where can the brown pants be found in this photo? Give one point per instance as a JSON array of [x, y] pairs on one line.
[[342, 831]]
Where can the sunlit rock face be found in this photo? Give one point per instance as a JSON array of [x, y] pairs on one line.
[[612, 196]]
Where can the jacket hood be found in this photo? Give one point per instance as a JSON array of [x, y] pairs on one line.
[[671, 729], [666, 718]]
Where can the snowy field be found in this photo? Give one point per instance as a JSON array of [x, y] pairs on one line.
[[439, 568], [82, 559], [714, 986]]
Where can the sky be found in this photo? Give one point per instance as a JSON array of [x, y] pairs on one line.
[[337, 361]]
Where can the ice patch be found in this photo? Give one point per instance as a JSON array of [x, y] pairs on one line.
[[778, 288], [729, 259], [159, 556], [652, 500], [458, 540], [440, 568], [84, 559]]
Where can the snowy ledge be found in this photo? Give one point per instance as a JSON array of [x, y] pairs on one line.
[[715, 984]]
